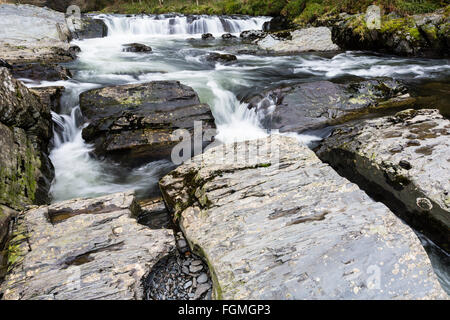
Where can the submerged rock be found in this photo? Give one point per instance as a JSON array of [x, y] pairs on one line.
[[136, 47], [284, 225], [207, 36], [228, 36], [222, 58], [134, 123], [252, 35], [402, 159], [83, 249], [316, 104], [308, 39], [25, 131]]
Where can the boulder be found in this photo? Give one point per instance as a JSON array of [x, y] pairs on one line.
[[222, 58], [25, 131], [277, 24], [252, 35], [308, 39], [83, 249], [280, 224], [207, 36], [136, 47], [403, 160], [50, 96], [87, 28], [228, 36], [317, 104], [134, 123], [32, 34]]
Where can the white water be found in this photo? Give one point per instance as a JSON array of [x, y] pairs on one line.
[[161, 25], [102, 62]]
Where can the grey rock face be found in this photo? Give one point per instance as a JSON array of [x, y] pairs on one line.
[[316, 104], [50, 96], [25, 131], [406, 157], [83, 249], [308, 39], [284, 225], [31, 34], [135, 122]]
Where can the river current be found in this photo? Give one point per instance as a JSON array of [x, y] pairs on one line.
[[178, 53]]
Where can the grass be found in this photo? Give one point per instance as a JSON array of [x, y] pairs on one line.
[[300, 10]]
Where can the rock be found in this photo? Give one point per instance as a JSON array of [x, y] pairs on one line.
[[207, 36], [202, 278], [50, 96], [252, 35], [228, 36], [195, 268], [316, 104], [5, 64], [83, 249], [405, 176], [6, 214], [134, 123], [41, 71], [32, 34], [187, 284], [25, 131], [222, 58], [136, 47], [277, 24], [87, 28], [284, 225], [201, 289], [424, 35], [308, 39], [62, 5]]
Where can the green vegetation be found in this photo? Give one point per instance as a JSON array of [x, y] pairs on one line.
[[301, 10]]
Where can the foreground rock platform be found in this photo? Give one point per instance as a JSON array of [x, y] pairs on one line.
[[83, 249], [404, 158], [287, 226]]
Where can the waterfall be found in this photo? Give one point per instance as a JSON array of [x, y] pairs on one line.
[[179, 25]]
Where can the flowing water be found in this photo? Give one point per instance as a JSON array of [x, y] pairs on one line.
[[178, 54]]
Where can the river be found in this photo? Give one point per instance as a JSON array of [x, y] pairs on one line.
[[177, 55]]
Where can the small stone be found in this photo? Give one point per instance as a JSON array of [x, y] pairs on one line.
[[202, 278], [405, 164], [201, 289], [424, 204], [182, 243], [187, 284], [196, 262], [195, 268], [185, 270]]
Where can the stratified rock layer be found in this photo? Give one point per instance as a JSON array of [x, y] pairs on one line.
[[284, 225], [405, 157], [83, 249], [25, 131]]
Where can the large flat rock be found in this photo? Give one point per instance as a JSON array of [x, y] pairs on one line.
[[284, 225], [406, 159], [83, 249]]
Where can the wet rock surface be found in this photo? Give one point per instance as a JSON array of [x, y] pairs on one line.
[[316, 104], [87, 28], [134, 123], [222, 58], [50, 96], [41, 71], [136, 47], [405, 161], [83, 249], [25, 131], [287, 226]]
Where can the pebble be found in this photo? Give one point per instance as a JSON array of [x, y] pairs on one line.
[[202, 278], [194, 269], [196, 263], [187, 284], [201, 289]]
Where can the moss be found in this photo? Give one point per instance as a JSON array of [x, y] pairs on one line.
[[403, 27]]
